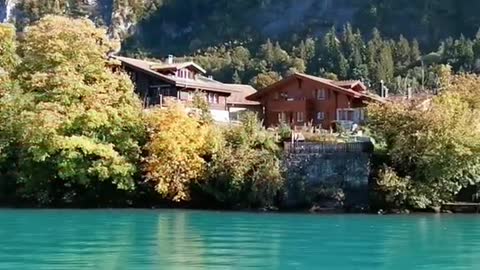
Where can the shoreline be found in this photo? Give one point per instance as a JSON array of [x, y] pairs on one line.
[[251, 211]]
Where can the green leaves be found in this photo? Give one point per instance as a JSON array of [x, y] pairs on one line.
[[77, 122], [8, 55], [434, 151]]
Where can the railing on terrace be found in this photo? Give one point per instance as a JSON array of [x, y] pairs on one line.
[[327, 147]]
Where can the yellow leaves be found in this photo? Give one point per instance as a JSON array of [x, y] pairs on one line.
[[8, 56], [77, 121], [177, 143], [58, 41]]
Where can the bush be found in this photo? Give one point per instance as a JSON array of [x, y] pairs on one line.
[[434, 151], [246, 171], [175, 151]]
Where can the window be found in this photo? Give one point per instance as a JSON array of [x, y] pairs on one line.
[[300, 116], [346, 114], [133, 76], [320, 94], [184, 73], [282, 117], [213, 98], [320, 116]]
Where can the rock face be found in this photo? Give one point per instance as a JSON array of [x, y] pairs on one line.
[[330, 180], [119, 16], [7, 8]]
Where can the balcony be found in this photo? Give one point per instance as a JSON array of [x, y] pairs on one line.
[[290, 104]]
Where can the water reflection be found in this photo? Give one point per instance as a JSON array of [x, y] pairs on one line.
[[206, 240]]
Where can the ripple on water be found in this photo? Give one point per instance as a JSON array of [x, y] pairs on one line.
[[210, 240]]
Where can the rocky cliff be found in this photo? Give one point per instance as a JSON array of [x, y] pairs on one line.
[[120, 16], [184, 26]]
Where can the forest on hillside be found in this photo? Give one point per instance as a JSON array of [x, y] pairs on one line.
[[401, 42], [258, 42]]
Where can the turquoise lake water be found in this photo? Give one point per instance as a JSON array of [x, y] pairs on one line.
[[167, 239]]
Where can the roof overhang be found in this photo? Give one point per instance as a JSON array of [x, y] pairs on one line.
[[178, 66], [258, 95]]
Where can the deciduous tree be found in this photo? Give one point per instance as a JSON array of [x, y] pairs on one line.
[[82, 124]]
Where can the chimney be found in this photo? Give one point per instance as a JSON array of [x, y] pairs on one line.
[[383, 89], [170, 59], [409, 93], [210, 77]]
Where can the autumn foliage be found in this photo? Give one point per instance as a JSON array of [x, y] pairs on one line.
[[68, 122], [433, 151], [175, 150]]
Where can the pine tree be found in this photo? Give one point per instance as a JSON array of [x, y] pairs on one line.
[[415, 53], [476, 45], [402, 53], [348, 40], [465, 53], [380, 59], [331, 56], [385, 69], [309, 49], [353, 50], [300, 51], [343, 67], [266, 51]]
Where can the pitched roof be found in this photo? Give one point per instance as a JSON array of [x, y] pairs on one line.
[[349, 83], [240, 97], [333, 84], [201, 82], [177, 66]]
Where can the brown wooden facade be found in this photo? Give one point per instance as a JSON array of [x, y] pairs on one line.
[[303, 99]]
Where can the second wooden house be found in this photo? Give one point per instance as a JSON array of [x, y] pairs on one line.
[[157, 82], [302, 99]]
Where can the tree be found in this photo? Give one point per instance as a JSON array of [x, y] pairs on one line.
[[415, 52], [476, 45], [331, 56], [240, 58], [246, 171], [81, 123], [305, 50], [434, 151], [266, 52], [297, 65], [402, 53], [458, 53], [380, 59], [175, 148], [8, 56], [263, 80], [200, 103]]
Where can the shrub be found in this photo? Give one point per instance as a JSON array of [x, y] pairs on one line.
[[246, 171], [175, 149]]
